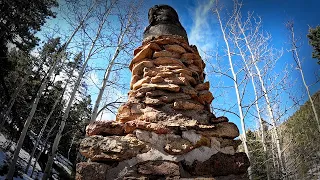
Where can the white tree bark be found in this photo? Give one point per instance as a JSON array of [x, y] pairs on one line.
[[49, 115], [265, 94], [47, 170], [296, 57], [39, 93], [236, 87], [40, 134], [104, 83], [124, 30], [28, 121], [263, 137]]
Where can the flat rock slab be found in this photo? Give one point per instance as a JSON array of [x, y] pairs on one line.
[[105, 128], [223, 129], [111, 148]]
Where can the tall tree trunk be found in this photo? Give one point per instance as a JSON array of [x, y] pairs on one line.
[[50, 114], [104, 84], [109, 69], [40, 134], [265, 95], [42, 148], [28, 121], [296, 57], [47, 170], [69, 150], [36, 101], [244, 139], [263, 137]]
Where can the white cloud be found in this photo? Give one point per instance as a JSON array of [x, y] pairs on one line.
[[201, 33]]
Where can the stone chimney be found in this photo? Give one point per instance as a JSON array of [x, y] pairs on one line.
[[166, 129]]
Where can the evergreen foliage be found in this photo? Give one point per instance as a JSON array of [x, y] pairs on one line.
[[32, 70], [19, 22], [302, 138], [258, 156], [314, 41]]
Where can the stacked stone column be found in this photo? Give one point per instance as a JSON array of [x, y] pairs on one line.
[[167, 84], [165, 130]]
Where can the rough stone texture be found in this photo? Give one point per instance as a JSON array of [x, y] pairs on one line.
[[157, 128], [216, 165], [219, 119], [187, 105], [165, 130], [159, 168], [146, 52], [175, 48], [229, 177], [138, 68], [165, 53], [91, 170], [111, 148], [205, 97], [224, 129], [105, 128]]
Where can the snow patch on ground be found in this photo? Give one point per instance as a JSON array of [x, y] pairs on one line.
[[22, 161], [7, 149]]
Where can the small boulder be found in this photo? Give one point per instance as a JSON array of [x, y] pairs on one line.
[[205, 97], [168, 87], [138, 68], [224, 130], [91, 171], [134, 79], [190, 56], [139, 83], [105, 128]]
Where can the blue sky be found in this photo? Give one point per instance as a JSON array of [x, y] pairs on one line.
[[203, 31]]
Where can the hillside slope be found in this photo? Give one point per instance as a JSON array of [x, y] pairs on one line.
[[301, 142]]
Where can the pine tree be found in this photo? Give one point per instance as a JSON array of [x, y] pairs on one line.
[[314, 41], [19, 22]]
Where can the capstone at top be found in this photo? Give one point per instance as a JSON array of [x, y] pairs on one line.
[[163, 20]]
